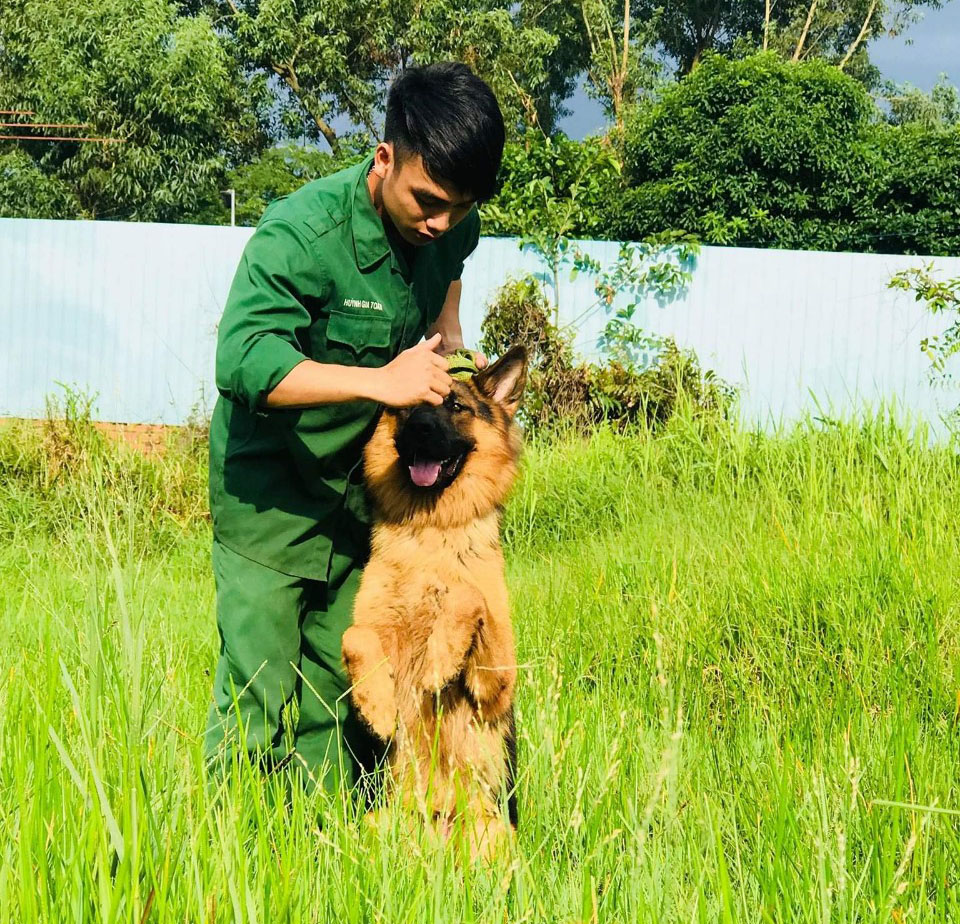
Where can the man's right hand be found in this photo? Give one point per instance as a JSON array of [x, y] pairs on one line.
[[417, 376]]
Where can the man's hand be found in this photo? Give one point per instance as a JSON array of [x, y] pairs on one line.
[[448, 325], [418, 375]]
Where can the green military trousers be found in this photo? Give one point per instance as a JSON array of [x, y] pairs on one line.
[[280, 689]]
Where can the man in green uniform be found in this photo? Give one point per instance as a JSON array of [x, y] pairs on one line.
[[323, 325]]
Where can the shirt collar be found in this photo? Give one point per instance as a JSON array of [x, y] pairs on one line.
[[370, 244]]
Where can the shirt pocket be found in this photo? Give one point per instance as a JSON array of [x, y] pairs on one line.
[[358, 339]]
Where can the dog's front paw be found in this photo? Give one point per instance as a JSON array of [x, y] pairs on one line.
[[371, 674], [492, 689], [379, 711], [442, 661]]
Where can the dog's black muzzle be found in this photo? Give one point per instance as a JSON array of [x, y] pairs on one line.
[[429, 435]]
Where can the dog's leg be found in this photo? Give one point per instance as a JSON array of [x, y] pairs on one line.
[[489, 835], [513, 810], [371, 676], [459, 610], [491, 673]]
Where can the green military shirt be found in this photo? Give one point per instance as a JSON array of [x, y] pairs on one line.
[[318, 280]]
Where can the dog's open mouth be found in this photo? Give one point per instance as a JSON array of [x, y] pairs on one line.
[[428, 473]]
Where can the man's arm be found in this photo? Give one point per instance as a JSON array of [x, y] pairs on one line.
[[447, 324], [259, 362], [416, 375], [417, 378]]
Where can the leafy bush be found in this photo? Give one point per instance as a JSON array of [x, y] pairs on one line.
[[940, 296], [747, 151], [27, 192], [564, 392], [906, 198], [773, 153]]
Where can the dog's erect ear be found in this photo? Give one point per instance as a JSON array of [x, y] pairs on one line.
[[503, 381]]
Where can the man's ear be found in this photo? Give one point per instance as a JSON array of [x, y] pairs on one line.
[[503, 381], [382, 158]]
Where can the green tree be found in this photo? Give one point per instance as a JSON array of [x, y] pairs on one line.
[[837, 30], [686, 29], [940, 108], [620, 65], [568, 60], [325, 56], [553, 183], [27, 192], [746, 151], [768, 152], [278, 172], [490, 36], [157, 81], [840, 30], [334, 58]]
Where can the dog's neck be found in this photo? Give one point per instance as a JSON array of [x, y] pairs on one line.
[[479, 537]]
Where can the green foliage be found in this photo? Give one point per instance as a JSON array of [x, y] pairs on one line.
[[335, 59], [508, 50], [659, 269], [771, 153], [940, 296], [567, 61], [907, 193], [836, 31], [622, 65], [940, 108], [27, 192], [158, 81], [552, 188], [563, 392], [278, 172], [686, 29], [520, 314]]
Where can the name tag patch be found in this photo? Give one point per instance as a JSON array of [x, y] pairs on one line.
[[362, 303]]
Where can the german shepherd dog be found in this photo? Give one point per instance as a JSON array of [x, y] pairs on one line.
[[430, 654]]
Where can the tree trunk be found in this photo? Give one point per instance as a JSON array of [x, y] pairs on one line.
[[806, 29], [860, 37]]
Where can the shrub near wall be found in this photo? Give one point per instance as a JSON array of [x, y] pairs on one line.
[[563, 392]]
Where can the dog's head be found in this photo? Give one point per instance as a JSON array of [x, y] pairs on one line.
[[454, 462]]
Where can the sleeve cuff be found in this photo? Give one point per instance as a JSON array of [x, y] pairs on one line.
[[267, 362]]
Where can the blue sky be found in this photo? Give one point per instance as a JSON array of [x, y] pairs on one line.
[[927, 49]]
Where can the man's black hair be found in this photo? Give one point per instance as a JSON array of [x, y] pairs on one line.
[[450, 117]]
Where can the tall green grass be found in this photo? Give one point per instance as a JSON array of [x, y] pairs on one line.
[[740, 687]]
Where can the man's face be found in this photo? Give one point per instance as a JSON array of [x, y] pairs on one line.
[[420, 208]]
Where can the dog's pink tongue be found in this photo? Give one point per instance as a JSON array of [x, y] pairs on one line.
[[425, 474]]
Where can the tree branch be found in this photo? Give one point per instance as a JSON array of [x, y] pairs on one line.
[[626, 39], [289, 76], [766, 25], [806, 29], [860, 37], [528, 103]]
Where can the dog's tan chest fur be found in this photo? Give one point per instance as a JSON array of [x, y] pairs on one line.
[[463, 559]]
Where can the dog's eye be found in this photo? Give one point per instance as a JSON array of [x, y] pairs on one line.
[[457, 407]]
